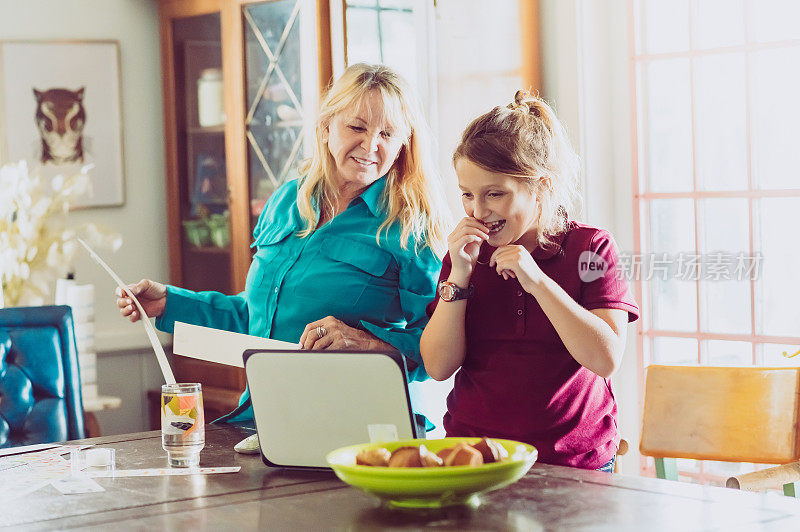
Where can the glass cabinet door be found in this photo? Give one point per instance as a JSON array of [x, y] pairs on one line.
[[281, 92], [202, 179]]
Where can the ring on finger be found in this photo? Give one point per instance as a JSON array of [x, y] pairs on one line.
[[321, 331]]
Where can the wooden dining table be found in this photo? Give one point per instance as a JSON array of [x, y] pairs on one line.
[[263, 498]]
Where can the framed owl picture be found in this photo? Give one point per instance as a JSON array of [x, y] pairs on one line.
[[60, 110]]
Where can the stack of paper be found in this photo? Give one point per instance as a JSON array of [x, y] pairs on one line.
[[81, 299]]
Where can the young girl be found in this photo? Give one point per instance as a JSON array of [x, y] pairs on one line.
[[531, 307]]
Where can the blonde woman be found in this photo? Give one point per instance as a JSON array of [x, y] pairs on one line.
[[347, 256], [531, 307]]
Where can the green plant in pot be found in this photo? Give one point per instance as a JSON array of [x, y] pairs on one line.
[[219, 227]]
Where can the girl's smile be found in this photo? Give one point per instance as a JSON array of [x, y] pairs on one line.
[[494, 227], [505, 205]]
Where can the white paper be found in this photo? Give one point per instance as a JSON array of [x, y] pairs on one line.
[[216, 345], [69, 485], [27, 448], [164, 472], [166, 370]]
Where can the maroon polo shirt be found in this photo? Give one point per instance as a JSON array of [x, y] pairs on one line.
[[518, 381]]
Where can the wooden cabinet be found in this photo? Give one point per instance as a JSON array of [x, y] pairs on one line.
[[241, 81]]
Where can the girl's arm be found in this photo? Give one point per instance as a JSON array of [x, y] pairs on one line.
[[595, 338], [443, 343]]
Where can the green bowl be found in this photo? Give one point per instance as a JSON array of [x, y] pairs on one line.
[[432, 486]]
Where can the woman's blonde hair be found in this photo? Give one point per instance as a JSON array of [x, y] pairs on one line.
[[412, 194], [526, 140]]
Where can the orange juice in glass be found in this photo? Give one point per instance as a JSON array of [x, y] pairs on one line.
[[183, 432]]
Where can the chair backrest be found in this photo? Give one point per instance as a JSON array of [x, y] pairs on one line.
[[40, 387], [747, 414]]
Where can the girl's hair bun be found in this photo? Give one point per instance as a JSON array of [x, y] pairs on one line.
[[525, 102]]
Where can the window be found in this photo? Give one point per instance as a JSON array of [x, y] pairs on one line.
[[717, 185], [393, 32], [382, 31]]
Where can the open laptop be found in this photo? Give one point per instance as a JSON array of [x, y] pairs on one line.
[[308, 403]]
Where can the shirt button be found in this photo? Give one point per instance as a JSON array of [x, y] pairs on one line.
[[519, 312], [276, 289], [519, 293]]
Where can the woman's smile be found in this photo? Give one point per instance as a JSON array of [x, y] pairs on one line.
[[365, 163]]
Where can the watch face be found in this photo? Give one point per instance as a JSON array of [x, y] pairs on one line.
[[447, 291]]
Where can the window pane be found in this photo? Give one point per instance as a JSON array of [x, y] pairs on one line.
[[398, 4], [775, 116], [717, 23], [398, 41], [666, 25], [363, 43], [773, 20], [721, 143], [724, 241], [771, 355], [669, 126], [675, 351], [674, 300], [724, 353], [726, 469], [778, 287]]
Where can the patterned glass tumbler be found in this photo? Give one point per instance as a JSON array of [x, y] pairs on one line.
[[183, 432]]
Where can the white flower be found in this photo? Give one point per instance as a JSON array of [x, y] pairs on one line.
[[35, 246], [57, 183]]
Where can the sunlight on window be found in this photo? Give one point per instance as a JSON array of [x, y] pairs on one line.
[[717, 117], [382, 31]]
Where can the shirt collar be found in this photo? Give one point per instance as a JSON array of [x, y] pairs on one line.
[[372, 196], [554, 248]]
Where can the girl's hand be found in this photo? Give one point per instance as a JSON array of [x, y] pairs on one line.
[[337, 335], [516, 262], [464, 244], [151, 295]]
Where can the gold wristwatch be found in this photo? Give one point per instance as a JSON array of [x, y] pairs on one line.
[[452, 292]]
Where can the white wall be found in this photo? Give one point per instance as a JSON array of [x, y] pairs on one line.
[[585, 72], [142, 220], [478, 60]]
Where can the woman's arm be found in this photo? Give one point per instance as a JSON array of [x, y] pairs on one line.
[[209, 309]]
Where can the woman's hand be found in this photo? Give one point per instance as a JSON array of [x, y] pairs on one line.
[[151, 295], [337, 335], [464, 244], [516, 262]]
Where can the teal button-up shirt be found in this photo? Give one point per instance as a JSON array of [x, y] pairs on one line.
[[339, 270]]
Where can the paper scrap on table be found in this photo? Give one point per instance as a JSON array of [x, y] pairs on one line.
[[26, 448], [166, 370], [22, 474], [163, 472], [216, 345], [25, 458], [69, 485]]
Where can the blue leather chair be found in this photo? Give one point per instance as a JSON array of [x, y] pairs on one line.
[[40, 387]]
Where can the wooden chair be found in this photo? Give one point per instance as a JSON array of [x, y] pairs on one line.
[[727, 414]]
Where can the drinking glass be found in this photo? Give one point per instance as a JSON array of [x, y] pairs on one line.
[[183, 433]]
